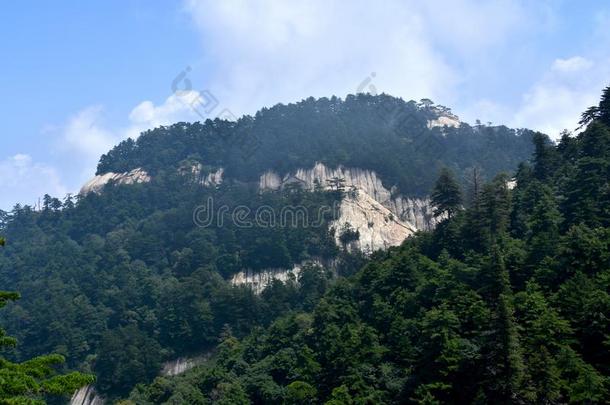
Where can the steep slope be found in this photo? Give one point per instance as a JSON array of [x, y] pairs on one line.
[[504, 302], [383, 134], [130, 274]]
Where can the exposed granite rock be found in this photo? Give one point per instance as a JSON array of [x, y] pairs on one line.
[[448, 120], [378, 227], [182, 364], [97, 183], [413, 212], [258, 280], [86, 396], [212, 178]]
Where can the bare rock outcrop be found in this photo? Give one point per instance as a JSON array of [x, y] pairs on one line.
[[96, 184], [416, 213], [86, 396]]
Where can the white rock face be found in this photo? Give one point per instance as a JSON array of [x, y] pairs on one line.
[[416, 213], [445, 121], [97, 183], [379, 228], [444, 118], [177, 366], [213, 178], [261, 279], [86, 396], [181, 365], [139, 175], [270, 181]]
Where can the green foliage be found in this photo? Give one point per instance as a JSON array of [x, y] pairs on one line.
[[505, 302], [380, 133], [35, 380], [600, 112], [446, 195], [122, 281]]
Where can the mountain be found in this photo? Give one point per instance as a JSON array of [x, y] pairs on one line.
[[173, 242], [388, 149], [504, 302], [405, 143]]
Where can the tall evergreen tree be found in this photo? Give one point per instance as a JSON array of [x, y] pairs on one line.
[[543, 225], [600, 112], [506, 370], [446, 195], [30, 382], [545, 157]]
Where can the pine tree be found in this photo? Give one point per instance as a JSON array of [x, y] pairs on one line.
[[506, 370], [586, 193], [545, 157], [30, 382], [600, 112], [543, 225], [446, 195], [475, 183], [495, 208]]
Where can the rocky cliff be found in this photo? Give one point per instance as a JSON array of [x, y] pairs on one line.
[[260, 279], [86, 396], [414, 213], [97, 183], [377, 227]]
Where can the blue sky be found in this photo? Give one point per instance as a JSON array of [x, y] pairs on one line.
[[77, 77]]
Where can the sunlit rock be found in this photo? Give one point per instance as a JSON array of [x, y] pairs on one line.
[[96, 184]]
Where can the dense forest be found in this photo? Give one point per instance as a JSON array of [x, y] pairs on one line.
[[121, 281], [380, 133], [35, 381], [506, 301], [125, 280]]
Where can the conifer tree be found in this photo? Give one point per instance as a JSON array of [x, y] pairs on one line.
[[600, 112], [543, 225], [506, 370], [446, 195], [30, 382], [545, 157]]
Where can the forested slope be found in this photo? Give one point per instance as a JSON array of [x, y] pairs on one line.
[[507, 301], [380, 133], [121, 281]]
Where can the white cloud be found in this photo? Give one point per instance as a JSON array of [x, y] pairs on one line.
[[557, 100], [24, 181], [571, 65], [189, 105], [265, 52], [79, 144], [471, 26], [85, 135], [261, 53]]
